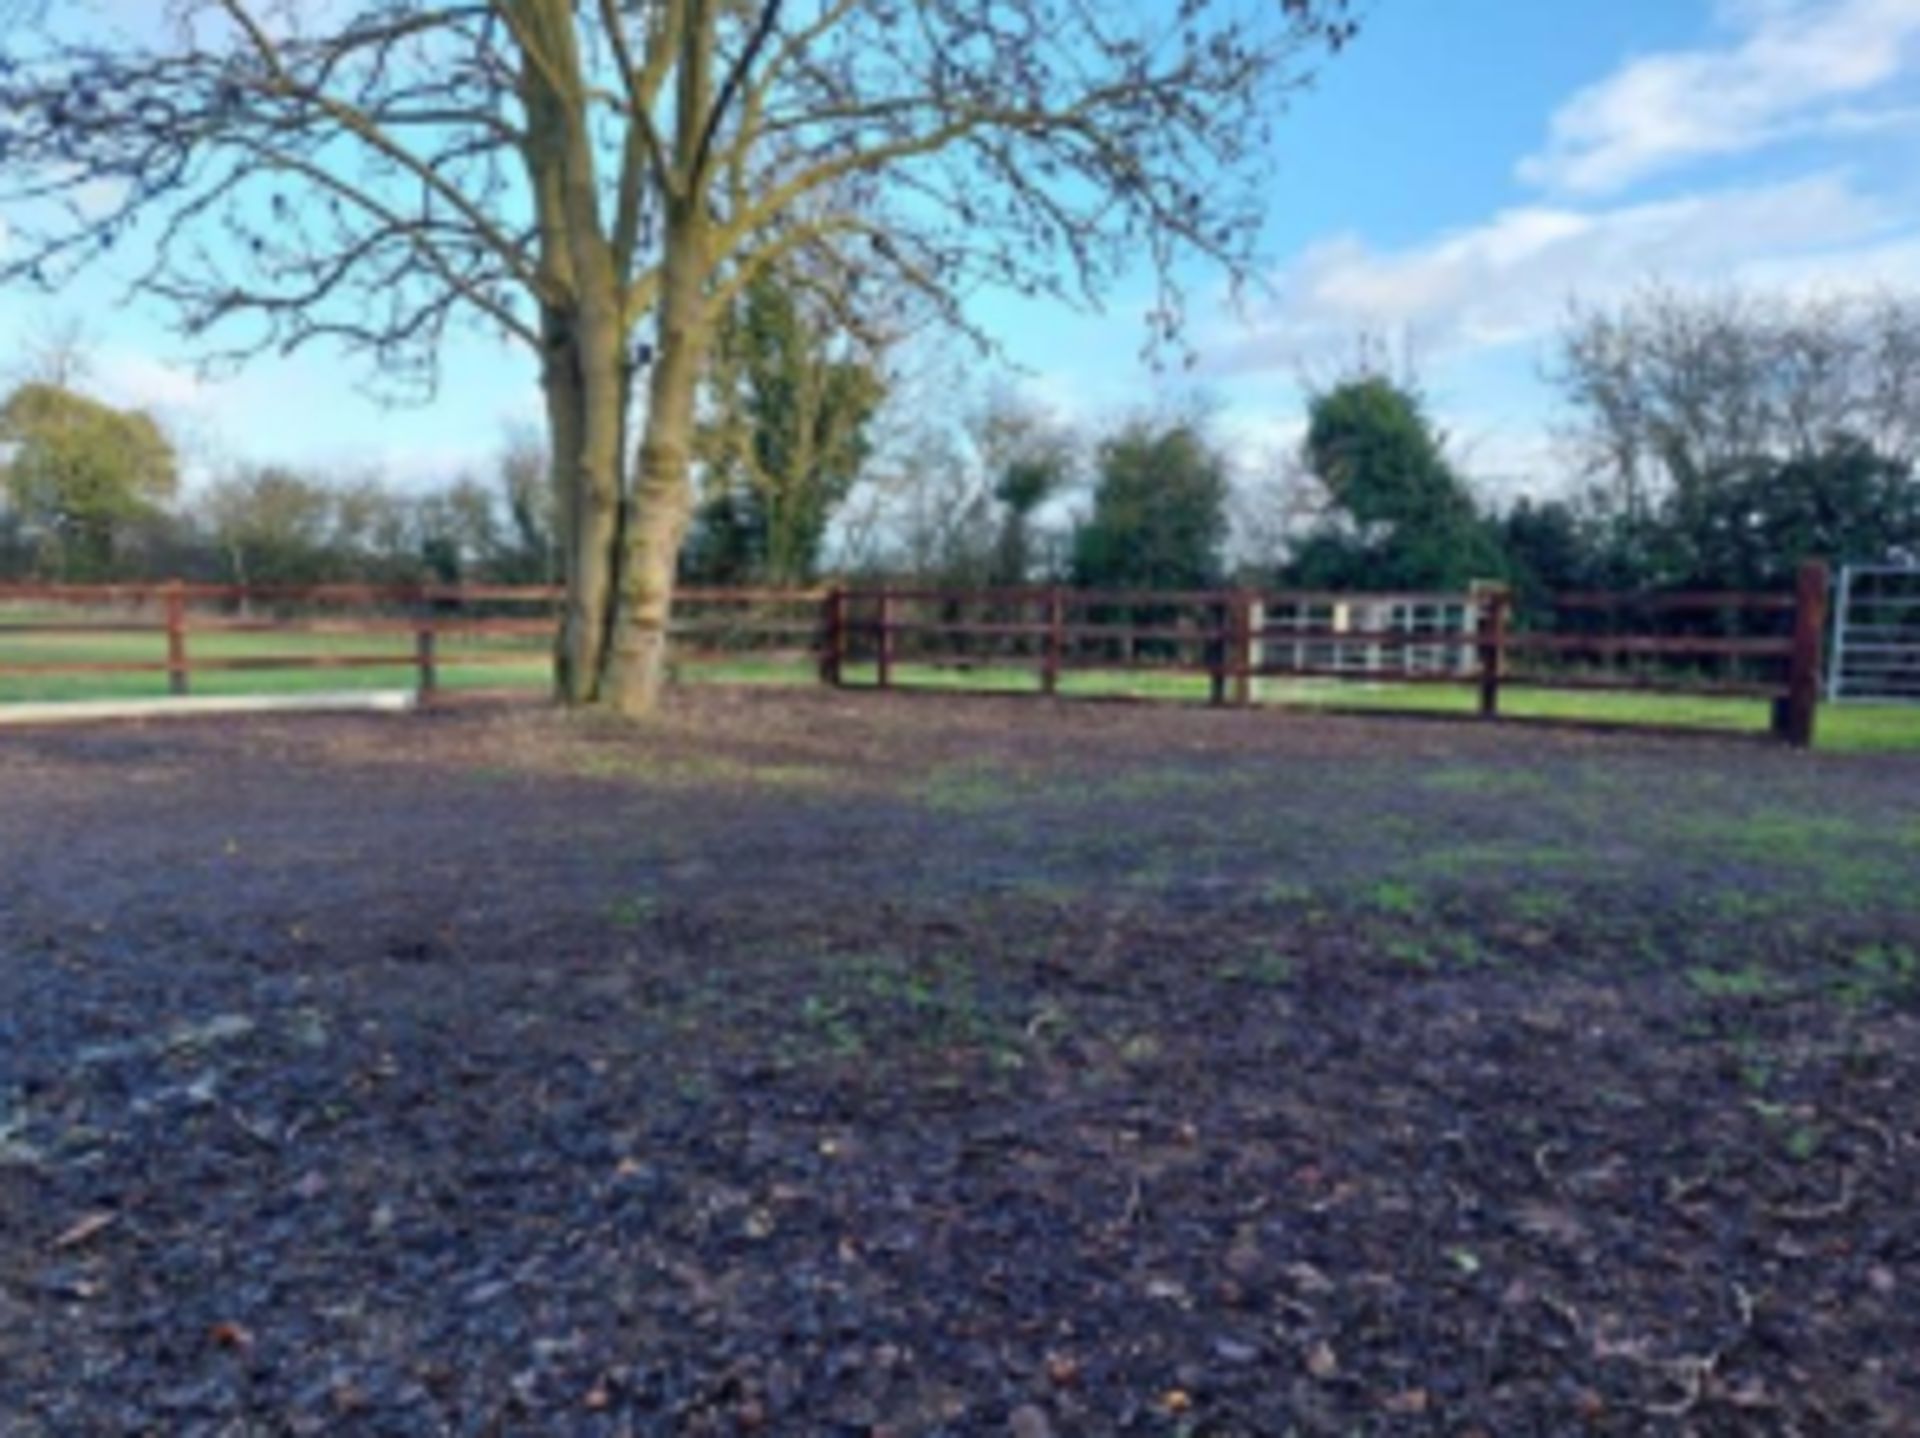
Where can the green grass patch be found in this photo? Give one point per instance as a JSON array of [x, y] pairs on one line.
[[1878, 973], [533, 673], [1749, 981], [1390, 896], [701, 771], [970, 789], [1484, 780], [1843, 728]]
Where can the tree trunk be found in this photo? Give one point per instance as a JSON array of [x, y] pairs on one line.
[[656, 520], [583, 327], [586, 415]]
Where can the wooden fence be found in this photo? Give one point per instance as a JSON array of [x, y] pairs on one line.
[[1764, 646], [425, 629]]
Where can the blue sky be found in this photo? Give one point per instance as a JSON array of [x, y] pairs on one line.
[[1465, 171]]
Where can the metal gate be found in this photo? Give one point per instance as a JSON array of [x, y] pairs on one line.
[[1876, 635]]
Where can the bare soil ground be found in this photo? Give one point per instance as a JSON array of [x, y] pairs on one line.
[[815, 1064]]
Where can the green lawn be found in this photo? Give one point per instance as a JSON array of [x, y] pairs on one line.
[[1842, 727], [150, 648]]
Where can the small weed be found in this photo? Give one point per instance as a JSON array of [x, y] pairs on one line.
[[1879, 972], [833, 1022], [1799, 1137], [631, 913], [1754, 1065], [1269, 970], [1750, 981], [1392, 897], [1413, 953], [1738, 905], [1140, 1049], [1802, 1142], [1540, 906]]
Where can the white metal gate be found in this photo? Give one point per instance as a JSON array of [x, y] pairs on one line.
[[1876, 635]]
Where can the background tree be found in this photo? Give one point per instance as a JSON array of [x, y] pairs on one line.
[[520, 470], [458, 533], [375, 171], [1395, 514], [79, 476], [1159, 514], [1030, 459], [793, 397], [1684, 408], [1749, 526], [929, 513], [1549, 549], [272, 526]]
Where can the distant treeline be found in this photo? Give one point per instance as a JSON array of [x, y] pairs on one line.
[[1707, 443]]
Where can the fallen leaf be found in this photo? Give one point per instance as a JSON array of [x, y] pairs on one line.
[[1029, 1421], [91, 1226], [230, 1336], [1322, 1361]]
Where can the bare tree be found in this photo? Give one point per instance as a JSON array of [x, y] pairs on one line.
[[521, 466], [597, 179], [1671, 389], [58, 351]]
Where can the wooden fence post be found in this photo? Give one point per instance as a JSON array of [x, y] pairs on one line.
[[884, 661], [1218, 648], [425, 659], [1794, 716], [833, 639], [1242, 648], [1493, 649], [178, 675], [1056, 641]]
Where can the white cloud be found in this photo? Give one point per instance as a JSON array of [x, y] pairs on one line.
[[1505, 458], [1510, 278], [133, 380], [1791, 70]]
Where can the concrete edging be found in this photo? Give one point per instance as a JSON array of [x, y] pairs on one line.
[[75, 711]]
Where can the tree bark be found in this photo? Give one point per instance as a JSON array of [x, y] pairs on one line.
[[583, 329], [572, 684], [656, 520]]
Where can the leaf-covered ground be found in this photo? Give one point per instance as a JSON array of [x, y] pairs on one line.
[[814, 1064]]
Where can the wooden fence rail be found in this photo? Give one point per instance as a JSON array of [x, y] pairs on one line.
[[444, 626], [1762, 645]]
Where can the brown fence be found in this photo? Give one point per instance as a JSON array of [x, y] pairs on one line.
[[422, 628], [1764, 646]]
